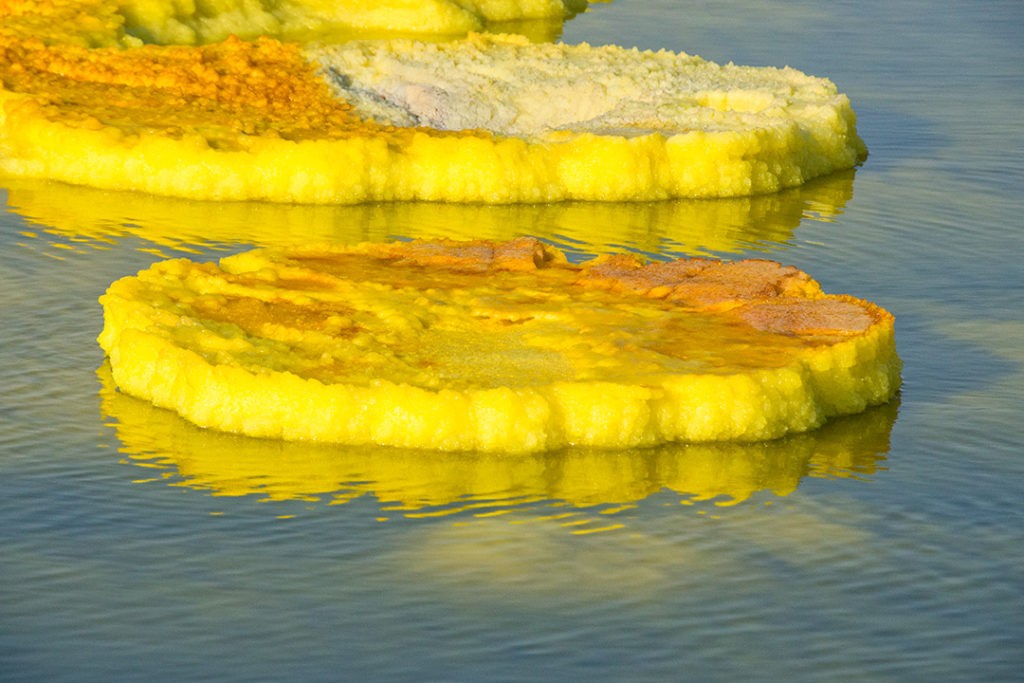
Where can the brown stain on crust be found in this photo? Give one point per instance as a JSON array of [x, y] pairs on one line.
[[699, 283]]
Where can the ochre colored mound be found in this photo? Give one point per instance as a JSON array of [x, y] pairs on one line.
[[494, 346], [221, 121], [491, 119]]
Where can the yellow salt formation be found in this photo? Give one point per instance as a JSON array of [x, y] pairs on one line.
[[387, 120], [502, 347], [133, 22], [158, 21], [594, 123], [218, 121], [173, 451]]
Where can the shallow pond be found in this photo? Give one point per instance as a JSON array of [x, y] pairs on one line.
[[887, 546]]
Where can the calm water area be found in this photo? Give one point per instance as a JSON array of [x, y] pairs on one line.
[[884, 547]]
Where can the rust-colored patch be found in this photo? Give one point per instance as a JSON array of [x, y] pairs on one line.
[[699, 283], [831, 316], [522, 254]]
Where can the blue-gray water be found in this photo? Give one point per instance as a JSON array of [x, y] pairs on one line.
[[889, 547]]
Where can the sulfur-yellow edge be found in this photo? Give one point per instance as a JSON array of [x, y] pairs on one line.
[[427, 166], [170, 341]]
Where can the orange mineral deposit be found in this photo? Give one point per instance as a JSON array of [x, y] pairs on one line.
[[494, 346]]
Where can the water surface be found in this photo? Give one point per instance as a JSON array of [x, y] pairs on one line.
[[888, 546]]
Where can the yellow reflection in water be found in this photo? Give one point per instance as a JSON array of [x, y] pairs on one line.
[[418, 483], [85, 216]]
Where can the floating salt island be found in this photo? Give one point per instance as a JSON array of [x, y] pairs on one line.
[[483, 118], [494, 346]]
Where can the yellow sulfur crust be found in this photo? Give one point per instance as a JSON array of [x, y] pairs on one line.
[[500, 347], [229, 465], [98, 23], [377, 120]]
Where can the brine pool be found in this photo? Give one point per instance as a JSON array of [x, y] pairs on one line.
[[887, 546]]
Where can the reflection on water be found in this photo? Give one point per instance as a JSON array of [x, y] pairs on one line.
[[420, 483], [915, 574], [88, 217]]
